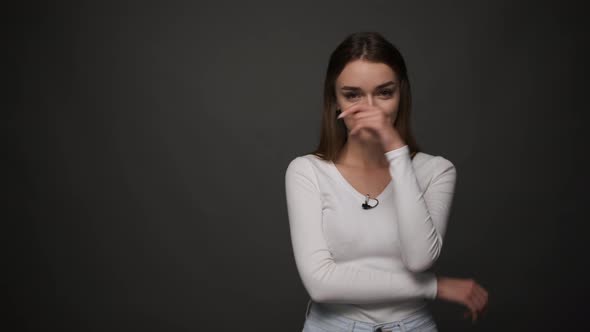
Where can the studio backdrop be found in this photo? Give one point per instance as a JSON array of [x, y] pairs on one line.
[[148, 143]]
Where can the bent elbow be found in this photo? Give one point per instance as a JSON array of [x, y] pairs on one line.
[[319, 286], [317, 296], [317, 291]]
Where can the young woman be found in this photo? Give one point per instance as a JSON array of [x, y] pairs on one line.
[[367, 209]]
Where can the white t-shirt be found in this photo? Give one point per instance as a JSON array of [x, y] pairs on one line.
[[369, 264]]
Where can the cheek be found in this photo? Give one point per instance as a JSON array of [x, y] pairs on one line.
[[389, 105]]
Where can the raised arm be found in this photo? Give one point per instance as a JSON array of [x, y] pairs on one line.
[[323, 278], [422, 215]]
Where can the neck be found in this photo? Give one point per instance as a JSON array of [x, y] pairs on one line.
[[363, 153]]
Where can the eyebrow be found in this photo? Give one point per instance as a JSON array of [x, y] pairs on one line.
[[378, 87]]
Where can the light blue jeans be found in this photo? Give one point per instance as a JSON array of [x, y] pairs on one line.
[[317, 319]]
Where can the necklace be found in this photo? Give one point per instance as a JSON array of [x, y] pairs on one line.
[[366, 205]]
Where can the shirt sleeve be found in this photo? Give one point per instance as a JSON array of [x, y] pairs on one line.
[[324, 279], [422, 214]]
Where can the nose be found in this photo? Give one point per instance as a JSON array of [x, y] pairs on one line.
[[369, 100]]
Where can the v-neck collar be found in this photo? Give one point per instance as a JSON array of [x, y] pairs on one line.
[[352, 189]]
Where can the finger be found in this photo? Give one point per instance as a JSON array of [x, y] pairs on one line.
[[354, 109], [477, 299], [350, 110], [356, 130], [480, 296], [482, 291], [473, 310], [359, 124], [473, 314], [485, 295], [365, 123], [484, 298], [484, 310], [364, 114]]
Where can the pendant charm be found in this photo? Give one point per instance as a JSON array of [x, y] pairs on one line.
[[366, 205]]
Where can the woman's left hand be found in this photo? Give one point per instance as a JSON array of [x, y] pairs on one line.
[[375, 120]]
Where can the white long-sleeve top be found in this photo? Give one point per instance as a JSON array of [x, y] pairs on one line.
[[370, 265]]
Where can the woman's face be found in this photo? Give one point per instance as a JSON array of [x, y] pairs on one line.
[[367, 82]]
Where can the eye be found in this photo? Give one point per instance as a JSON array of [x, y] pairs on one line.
[[386, 92], [351, 95]]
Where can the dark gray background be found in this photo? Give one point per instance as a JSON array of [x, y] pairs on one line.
[[149, 143]]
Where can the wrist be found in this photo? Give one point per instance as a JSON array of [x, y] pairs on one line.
[[441, 287], [392, 140], [394, 146]]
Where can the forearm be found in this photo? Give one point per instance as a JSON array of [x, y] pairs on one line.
[[326, 281], [421, 241]]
